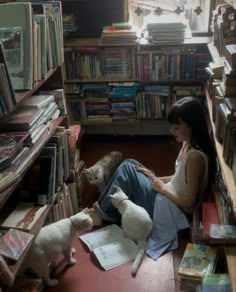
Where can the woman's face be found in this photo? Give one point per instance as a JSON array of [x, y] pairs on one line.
[[182, 131]]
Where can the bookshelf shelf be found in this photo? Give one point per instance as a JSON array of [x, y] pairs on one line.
[[99, 80], [29, 161], [214, 53], [35, 230], [226, 170], [20, 95]]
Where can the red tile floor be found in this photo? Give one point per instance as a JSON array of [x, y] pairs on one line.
[[153, 276]]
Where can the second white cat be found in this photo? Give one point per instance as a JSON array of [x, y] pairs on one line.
[[136, 223], [53, 240]]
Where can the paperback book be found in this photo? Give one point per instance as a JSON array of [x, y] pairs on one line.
[[14, 242], [222, 233], [110, 247], [198, 260], [24, 216], [216, 283]]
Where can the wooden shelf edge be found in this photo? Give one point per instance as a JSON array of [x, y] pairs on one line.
[[226, 170], [35, 230], [20, 95], [230, 253]]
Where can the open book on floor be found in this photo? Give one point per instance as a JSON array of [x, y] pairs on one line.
[[110, 246]]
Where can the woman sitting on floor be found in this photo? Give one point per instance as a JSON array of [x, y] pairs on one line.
[[169, 200]]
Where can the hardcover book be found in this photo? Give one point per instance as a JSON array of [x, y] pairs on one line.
[[37, 101], [110, 246], [21, 119], [24, 216], [14, 243], [209, 216]]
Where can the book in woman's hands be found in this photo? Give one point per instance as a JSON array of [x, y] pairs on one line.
[[110, 246]]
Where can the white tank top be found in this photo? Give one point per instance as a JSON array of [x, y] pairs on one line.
[[178, 181]]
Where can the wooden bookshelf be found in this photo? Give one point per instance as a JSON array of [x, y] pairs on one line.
[[226, 170]]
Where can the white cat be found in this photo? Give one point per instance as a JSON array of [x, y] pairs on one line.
[[136, 223], [54, 239], [100, 173]]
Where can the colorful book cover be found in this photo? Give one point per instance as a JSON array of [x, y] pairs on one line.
[[24, 216], [216, 283], [14, 243], [198, 260]]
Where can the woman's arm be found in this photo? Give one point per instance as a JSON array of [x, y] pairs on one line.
[[166, 179], [194, 172]]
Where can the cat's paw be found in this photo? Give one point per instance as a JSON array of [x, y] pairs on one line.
[[52, 282], [73, 250], [72, 262]]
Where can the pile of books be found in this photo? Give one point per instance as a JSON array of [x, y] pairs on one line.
[[118, 33], [166, 29], [198, 260]]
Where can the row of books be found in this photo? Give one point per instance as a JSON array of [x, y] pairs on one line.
[[225, 130], [179, 63], [33, 40], [91, 63], [206, 227], [95, 63], [223, 27], [126, 101]]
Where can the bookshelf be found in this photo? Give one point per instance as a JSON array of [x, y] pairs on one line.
[[217, 48], [193, 54], [52, 81]]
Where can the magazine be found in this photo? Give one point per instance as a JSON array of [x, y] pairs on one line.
[[110, 246], [14, 242]]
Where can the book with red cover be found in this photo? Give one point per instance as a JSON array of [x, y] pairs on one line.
[[209, 216], [14, 243]]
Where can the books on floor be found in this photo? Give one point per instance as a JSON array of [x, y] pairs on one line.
[[198, 260], [14, 242], [110, 246], [216, 282]]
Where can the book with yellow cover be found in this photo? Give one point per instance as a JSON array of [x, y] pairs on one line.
[[198, 260]]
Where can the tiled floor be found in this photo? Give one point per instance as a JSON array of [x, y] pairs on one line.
[[153, 276]]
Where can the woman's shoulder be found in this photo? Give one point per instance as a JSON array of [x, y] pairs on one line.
[[196, 157]]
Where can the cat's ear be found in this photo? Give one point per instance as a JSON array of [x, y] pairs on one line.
[[118, 189], [111, 196], [85, 171]]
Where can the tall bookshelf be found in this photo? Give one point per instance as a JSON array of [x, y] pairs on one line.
[[83, 57], [52, 80], [214, 96]]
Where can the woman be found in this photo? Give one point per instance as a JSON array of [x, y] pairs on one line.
[[168, 200]]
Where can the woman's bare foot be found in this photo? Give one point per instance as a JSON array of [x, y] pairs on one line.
[[97, 220]]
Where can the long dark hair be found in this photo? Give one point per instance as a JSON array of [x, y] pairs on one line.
[[191, 111]]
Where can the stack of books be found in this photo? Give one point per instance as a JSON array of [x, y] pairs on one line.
[[118, 34], [198, 260], [166, 29]]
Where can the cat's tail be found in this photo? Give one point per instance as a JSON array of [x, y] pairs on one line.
[[137, 262]]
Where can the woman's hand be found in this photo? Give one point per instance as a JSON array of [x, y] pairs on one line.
[[145, 171], [158, 185]]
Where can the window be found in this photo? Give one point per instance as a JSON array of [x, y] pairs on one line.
[[197, 12]]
